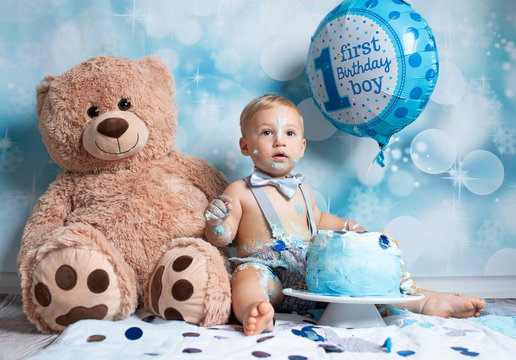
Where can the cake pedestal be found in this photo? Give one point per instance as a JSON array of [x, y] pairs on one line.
[[351, 312]]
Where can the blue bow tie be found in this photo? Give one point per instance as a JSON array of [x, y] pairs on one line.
[[287, 185]]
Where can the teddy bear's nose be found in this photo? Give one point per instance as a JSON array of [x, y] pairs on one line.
[[113, 127]]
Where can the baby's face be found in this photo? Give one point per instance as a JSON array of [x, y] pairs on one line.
[[273, 138]]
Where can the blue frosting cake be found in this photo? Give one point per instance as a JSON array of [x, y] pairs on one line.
[[355, 264]]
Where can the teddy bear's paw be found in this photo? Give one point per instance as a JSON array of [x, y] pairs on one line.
[[177, 288], [73, 284]]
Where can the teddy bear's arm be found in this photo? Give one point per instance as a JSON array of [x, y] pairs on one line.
[[49, 214], [200, 173]]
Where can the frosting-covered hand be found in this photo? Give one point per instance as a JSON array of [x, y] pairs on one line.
[[218, 211]]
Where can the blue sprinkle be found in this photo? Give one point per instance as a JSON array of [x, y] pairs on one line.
[[415, 60], [384, 241], [151, 354], [279, 245], [297, 357], [192, 350], [398, 2], [401, 112], [406, 352], [388, 344], [133, 333], [458, 348]]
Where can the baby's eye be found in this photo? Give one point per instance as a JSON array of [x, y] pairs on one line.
[[291, 133], [266, 132]]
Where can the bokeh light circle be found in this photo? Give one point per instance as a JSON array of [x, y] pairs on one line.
[[483, 172], [411, 234], [433, 151]]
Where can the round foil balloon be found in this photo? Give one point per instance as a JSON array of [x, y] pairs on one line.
[[372, 66]]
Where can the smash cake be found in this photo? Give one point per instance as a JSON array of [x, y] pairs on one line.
[[356, 264]]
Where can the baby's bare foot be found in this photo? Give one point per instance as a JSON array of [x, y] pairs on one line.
[[452, 305], [259, 319]]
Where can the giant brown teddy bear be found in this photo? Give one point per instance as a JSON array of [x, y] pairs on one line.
[[123, 224]]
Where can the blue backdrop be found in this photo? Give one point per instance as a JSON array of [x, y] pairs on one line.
[[447, 192]]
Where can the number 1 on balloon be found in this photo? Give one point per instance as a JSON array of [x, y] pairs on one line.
[[335, 101]]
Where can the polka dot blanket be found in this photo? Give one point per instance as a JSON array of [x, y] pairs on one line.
[[295, 337]]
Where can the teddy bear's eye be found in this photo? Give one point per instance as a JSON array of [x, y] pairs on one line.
[[124, 104], [93, 112]]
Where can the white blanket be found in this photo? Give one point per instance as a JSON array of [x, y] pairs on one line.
[[294, 338]]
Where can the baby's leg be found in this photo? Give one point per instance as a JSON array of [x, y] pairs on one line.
[[447, 305], [255, 292]]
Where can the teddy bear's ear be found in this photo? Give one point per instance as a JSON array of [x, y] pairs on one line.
[[42, 92], [160, 68]]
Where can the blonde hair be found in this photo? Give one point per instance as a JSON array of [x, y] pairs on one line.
[[262, 103]]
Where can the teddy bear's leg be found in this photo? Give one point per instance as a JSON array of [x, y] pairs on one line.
[[76, 275], [190, 283]]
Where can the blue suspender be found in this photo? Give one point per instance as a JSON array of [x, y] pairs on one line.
[[268, 210]]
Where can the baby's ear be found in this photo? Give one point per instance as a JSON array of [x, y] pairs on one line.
[[244, 148], [42, 92]]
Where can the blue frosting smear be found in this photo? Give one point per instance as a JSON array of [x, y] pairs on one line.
[[353, 264]]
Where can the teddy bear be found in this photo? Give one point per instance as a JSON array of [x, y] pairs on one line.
[[122, 226]]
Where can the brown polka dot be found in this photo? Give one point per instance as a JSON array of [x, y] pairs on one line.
[[96, 338], [42, 294], [182, 290], [182, 263], [173, 314], [98, 281], [66, 277], [97, 312], [156, 288]]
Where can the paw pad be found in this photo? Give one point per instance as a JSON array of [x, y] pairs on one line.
[[172, 285], [65, 293]]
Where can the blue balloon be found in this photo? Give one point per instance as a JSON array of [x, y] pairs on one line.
[[372, 66]]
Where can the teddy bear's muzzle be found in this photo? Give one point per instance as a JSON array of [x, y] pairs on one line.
[[115, 135]]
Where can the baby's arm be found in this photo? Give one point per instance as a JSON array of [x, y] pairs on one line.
[[327, 221], [222, 218]]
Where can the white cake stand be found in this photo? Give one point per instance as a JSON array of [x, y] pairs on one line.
[[351, 312]]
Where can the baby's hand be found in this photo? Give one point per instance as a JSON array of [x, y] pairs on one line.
[[218, 210]]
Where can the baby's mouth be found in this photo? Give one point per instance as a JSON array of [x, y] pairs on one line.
[[280, 157]]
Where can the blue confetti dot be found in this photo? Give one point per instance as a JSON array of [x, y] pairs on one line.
[[398, 2], [279, 245], [430, 75], [415, 93], [133, 333], [429, 47], [413, 31], [401, 112], [406, 352], [415, 60], [331, 348], [371, 4], [393, 15], [260, 354], [415, 17], [297, 357], [423, 103]]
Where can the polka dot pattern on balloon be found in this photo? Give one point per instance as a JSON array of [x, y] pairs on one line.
[[372, 67]]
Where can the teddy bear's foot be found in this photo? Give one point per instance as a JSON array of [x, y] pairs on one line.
[[190, 283], [73, 284]]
